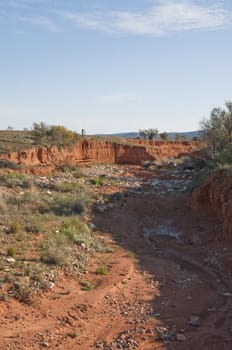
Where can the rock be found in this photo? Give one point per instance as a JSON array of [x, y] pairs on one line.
[[10, 260], [47, 285], [45, 344], [180, 337], [155, 182], [101, 209], [194, 321], [227, 294], [92, 226]]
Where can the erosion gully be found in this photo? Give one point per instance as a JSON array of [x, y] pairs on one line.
[[169, 286], [180, 249]]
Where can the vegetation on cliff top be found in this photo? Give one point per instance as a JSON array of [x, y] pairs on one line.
[[217, 132]]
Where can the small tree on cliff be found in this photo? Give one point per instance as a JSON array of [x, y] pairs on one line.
[[149, 134], [164, 136], [217, 130], [40, 132], [44, 134], [59, 135]]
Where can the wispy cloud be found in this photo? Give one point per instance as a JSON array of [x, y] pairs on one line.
[[161, 18], [158, 20], [43, 22], [118, 98]]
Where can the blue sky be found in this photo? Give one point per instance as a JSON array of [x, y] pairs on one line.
[[114, 65]]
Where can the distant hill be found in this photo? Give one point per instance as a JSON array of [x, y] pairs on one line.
[[171, 135]]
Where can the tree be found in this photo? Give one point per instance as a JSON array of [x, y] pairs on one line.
[[149, 134], [152, 133], [164, 136], [142, 133], [40, 132], [217, 130], [44, 134], [59, 135]]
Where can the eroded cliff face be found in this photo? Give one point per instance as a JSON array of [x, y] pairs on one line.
[[216, 192], [101, 152]]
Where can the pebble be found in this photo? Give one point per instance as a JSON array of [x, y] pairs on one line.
[[180, 337], [10, 260], [194, 321]]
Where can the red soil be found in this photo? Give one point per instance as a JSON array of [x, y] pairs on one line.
[[155, 285], [216, 193]]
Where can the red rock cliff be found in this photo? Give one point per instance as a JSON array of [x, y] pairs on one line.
[[134, 152], [216, 192]]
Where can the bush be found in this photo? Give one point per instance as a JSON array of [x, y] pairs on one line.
[[96, 181], [225, 157], [70, 204], [14, 227], [53, 135], [67, 187], [56, 251], [16, 180], [23, 291], [11, 251], [86, 285], [102, 270], [59, 135], [77, 231]]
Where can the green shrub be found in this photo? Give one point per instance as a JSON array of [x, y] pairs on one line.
[[225, 157], [23, 291], [102, 270], [16, 180], [86, 285], [76, 231], [14, 227], [67, 187], [53, 135], [11, 251], [96, 181], [70, 204], [56, 250]]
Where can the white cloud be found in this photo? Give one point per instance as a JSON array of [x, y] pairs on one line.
[[118, 98], [166, 17], [162, 17], [43, 22]]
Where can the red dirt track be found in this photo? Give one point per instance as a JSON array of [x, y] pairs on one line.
[[169, 285]]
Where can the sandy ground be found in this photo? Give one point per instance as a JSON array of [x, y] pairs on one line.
[[169, 284]]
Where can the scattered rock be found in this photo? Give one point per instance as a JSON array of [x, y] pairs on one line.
[[194, 321], [180, 337], [10, 260]]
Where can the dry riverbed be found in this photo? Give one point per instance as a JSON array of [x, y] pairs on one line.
[[156, 279]]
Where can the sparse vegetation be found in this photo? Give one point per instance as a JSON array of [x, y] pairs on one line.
[[13, 180], [70, 204], [97, 181], [86, 285], [51, 208], [149, 134], [11, 251], [217, 130], [164, 136], [102, 270], [44, 134]]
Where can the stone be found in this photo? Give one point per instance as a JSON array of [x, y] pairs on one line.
[[10, 260], [194, 321], [180, 337]]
